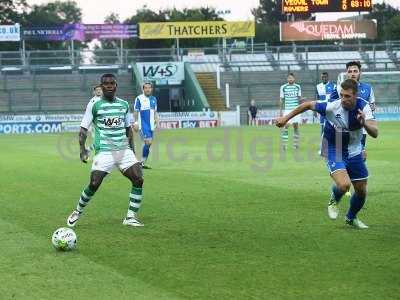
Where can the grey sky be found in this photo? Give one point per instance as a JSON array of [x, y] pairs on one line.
[[94, 11]]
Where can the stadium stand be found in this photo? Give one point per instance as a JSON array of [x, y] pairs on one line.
[[375, 56], [54, 81], [311, 60], [264, 87], [4, 101], [204, 63], [287, 59], [55, 93], [382, 58], [329, 60], [24, 100], [209, 86], [251, 62]]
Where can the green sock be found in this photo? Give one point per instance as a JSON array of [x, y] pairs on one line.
[[135, 200], [284, 136], [86, 195]]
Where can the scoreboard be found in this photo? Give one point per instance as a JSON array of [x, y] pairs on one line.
[[314, 6]]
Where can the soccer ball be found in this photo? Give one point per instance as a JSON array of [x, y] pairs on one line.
[[64, 239]]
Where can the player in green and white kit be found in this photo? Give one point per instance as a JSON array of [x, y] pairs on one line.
[[97, 93], [290, 96], [113, 145]]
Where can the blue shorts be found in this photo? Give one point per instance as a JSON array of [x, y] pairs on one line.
[[146, 134], [355, 167]]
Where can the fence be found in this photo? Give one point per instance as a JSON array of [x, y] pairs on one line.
[[54, 92], [29, 60], [386, 86]]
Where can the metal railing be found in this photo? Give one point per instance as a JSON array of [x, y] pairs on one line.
[[316, 67], [385, 85], [36, 102], [46, 100], [29, 60]]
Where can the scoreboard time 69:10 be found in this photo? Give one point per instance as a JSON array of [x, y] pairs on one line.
[[314, 6]]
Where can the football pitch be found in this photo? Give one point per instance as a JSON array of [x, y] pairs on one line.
[[227, 216]]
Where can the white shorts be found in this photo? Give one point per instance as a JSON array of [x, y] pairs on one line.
[[106, 161], [296, 119]]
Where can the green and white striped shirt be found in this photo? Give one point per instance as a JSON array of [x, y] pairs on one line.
[[290, 94], [109, 119]]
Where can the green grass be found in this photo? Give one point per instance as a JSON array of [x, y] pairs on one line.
[[249, 226]]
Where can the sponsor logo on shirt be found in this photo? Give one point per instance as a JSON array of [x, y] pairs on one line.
[[291, 94], [341, 125], [112, 122]]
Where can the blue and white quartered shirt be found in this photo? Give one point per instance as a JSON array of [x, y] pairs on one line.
[[342, 131], [146, 107], [365, 92], [323, 93]]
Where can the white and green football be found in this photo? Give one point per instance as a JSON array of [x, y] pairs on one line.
[[64, 239]]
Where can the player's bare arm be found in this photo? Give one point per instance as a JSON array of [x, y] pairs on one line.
[[281, 121], [84, 153], [135, 125], [371, 126], [129, 135]]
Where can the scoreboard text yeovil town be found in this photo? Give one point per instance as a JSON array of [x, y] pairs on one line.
[[312, 6]]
